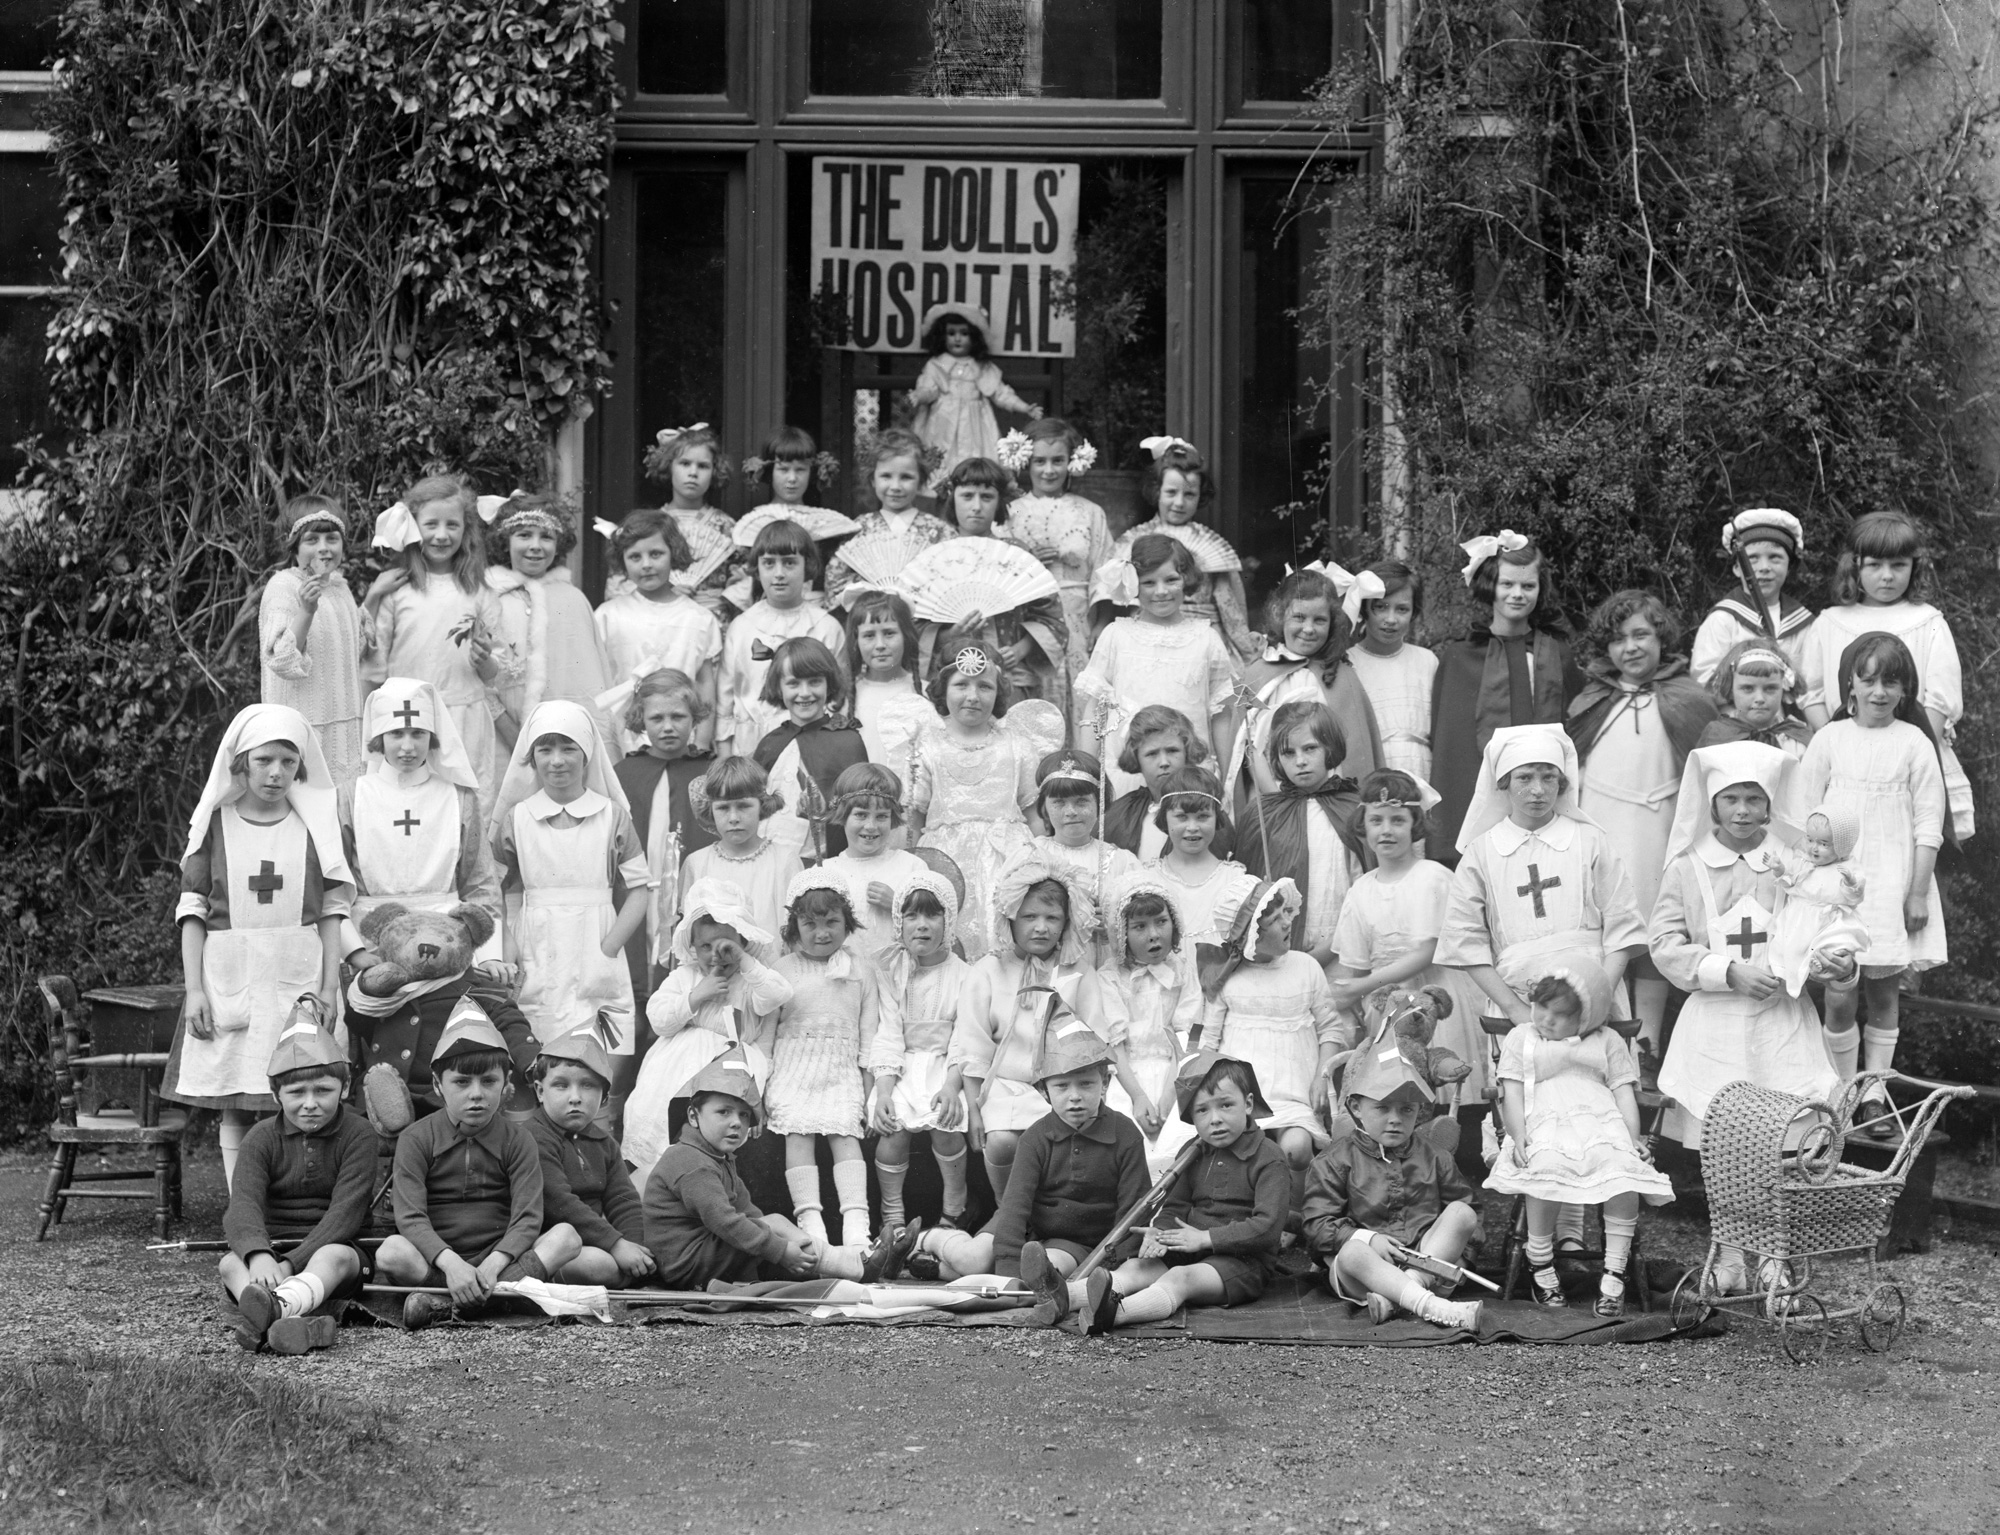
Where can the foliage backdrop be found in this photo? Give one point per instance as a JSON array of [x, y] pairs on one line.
[[319, 245]]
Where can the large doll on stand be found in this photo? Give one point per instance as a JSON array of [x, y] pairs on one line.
[[959, 387]]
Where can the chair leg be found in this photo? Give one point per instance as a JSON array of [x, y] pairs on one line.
[[177, 1181], [52, 1196], [163, 1175], [1515, 1248]]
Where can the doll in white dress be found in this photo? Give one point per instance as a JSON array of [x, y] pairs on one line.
[[1817, 932], [960, 385]]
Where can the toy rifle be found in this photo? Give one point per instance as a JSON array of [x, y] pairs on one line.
[[1424, 1263], [1139, 1213], [711, 1297], [218, 1245]]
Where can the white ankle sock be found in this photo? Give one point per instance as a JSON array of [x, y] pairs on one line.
[[850, 1182], [300, 1294], [804, 1185], [1878, 1047], [952, 1170], [839, 1262], [890, 1176]]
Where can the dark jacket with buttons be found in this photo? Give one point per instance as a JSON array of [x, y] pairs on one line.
[[1354, 1185], [1239, 1194], [1070, 1185], [313, 1187], [406, 1038], [585, 1182]]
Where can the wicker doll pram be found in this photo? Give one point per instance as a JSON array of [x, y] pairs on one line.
[[1779, 1191]]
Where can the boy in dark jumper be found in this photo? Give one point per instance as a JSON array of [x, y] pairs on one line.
[[584, 1180], [304, 1176], [468, 1184], [1076, 1170]]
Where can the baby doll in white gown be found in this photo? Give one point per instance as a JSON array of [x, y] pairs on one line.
[[1817, 933]]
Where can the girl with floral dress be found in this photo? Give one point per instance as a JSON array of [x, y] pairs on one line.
[[1065, 531]]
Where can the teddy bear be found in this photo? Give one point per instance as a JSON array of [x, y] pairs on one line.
[[1409, 1015], [419, 962]]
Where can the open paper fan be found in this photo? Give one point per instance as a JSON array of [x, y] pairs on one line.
[[1211, 551], [875, 558], [818, 522], [1039, 723], [711, 550], [949, 582]]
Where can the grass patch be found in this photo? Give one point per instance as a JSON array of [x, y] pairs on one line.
[[93, 1441]]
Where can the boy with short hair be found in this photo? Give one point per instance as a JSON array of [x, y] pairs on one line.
[[1382, 1187], [468, 1184], [304, 1176], [701, 1223], [584, 1181], [1076, 1170]]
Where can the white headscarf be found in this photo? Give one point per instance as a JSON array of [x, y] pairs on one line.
[[555, 717], [380, 715], [1515, 746], [314, 798], [1711, 769]]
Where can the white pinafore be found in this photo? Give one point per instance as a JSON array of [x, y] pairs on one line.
[[1010, 1099], [559, 934], [257, 967], [407, 842]]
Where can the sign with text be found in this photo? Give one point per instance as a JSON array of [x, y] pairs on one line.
[[890, 238]]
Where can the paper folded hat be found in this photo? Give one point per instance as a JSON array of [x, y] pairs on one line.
[[583, 1047], [1378, 1069], [728, 1073], [306, 1040], [1193, 1071], [1068, 1043], [466, 1031]]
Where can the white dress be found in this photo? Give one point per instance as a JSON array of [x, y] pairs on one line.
[[1076, 529], [1628, 785], [1817, 901], [1890, 779], [1382, 921], [1135, 662], [914, 1040], [1199, 900], [892, 715], [640, 636], [1276, 1016], [974, 796], [877, 928], [1940, 679], [1579, 1148], [1158, 1005], [996, 1039], [324, 681], [741, 719], [1095, 857], [761, 879], [955, 397], [561, 859], [824, 1034], [413, 638], [1399, 689], [548, 623]]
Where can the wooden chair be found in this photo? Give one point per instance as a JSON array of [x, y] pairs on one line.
[[109, 1128]]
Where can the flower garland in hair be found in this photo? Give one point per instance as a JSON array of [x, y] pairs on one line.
[[1014, 451], [1081, 460]]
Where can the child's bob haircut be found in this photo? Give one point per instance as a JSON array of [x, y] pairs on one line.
[[1310, 586], [1486, 579], [1152, 550], [1148, 904], [881, 608], [665, 683], [1047, 429], [239, 765], [552, 738], [1750, 658], [1193, 786], [866, 786], [817, 902], [650, 522], [1396, 577], [896, 442], [473, 1063], [800, 658], [1614, 612], [304, 514], [728, 780], [781, 538], [949, 649], [1562, 778], [338, 1070], [980, 474], [669, 447], [500, 537], [468, 566], [1305, 714], [787, 445], [1189, 461], [1883, 536], [1160, 720], [1058, 774], [1389, 786]]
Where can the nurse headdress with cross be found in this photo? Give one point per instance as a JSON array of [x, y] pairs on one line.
[[406, 703]]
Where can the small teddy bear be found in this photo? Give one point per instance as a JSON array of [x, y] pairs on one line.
[[1409, 1015]]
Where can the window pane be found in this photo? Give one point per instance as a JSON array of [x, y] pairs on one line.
[[682, 47], [30, 222], [680, 291], [1098, 49], [28, 33], [1287, 46], [24, 391]]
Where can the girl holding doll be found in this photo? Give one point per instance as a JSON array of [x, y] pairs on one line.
[[690, 462], [881, 655], [811, 739], [1397, 674], [866, 805], [434, 618], [819, 1080], [311, 635], [1304, 831], [544, 619], [1161, 656], [1313, 613], [1879, 762], [1752, 689], [732, 802], [926, 981], [897, 528], [1191, 818], [1149, 984], [653, 625], [784, 564], [1512, 669], [264, 886], [1762, 545], [1881, 586], [1065, 531], [1180, 488]]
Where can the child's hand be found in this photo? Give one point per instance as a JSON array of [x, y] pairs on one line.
[[1347, 994], [705, 991], [1182, 1239], [195, 1013], [390, 579], [1916, 911], [267, 1271], [633, 1261], [1034, 412], [462, 1279], [1017, 653], [500, 973], [1148, 1115], [311, 589], [488, 1273], [885, 1120], [947, 1104], [1753, 981], [801, 1258], [363, 959], [880, 895], [975, 1132], [1322, 1093]]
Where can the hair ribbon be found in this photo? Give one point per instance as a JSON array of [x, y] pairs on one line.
[[396, 529], [1483, 548], [1160, 447]]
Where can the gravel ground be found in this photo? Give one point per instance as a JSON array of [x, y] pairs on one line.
[[857, 1429]]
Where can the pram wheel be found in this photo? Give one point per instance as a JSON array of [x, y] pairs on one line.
[[1694, 1299], [1803, 1328], [1881, 1317]]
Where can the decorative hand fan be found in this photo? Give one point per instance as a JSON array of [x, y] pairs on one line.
[[1211, 551], [951, 581], [1039, 723], [876, 558], [711, 548], [816, 520]]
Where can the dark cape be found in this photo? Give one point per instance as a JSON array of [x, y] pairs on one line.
[[641, 776], [825, 751], [1346, 699], [1283, 821], [1125, 817], [1686, 707], [1724, 729], [1482, 685]]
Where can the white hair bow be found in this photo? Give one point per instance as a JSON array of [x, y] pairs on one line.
[[605, 527], [396, 529], [489, 507], [668, 433], [1479, 550], [1159, 447]]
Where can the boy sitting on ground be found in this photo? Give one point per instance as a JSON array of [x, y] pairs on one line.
[[1076, 1170], [1382, 1187], [701, 1223], [584, 1182], [468, 1184], [306, 1176]]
